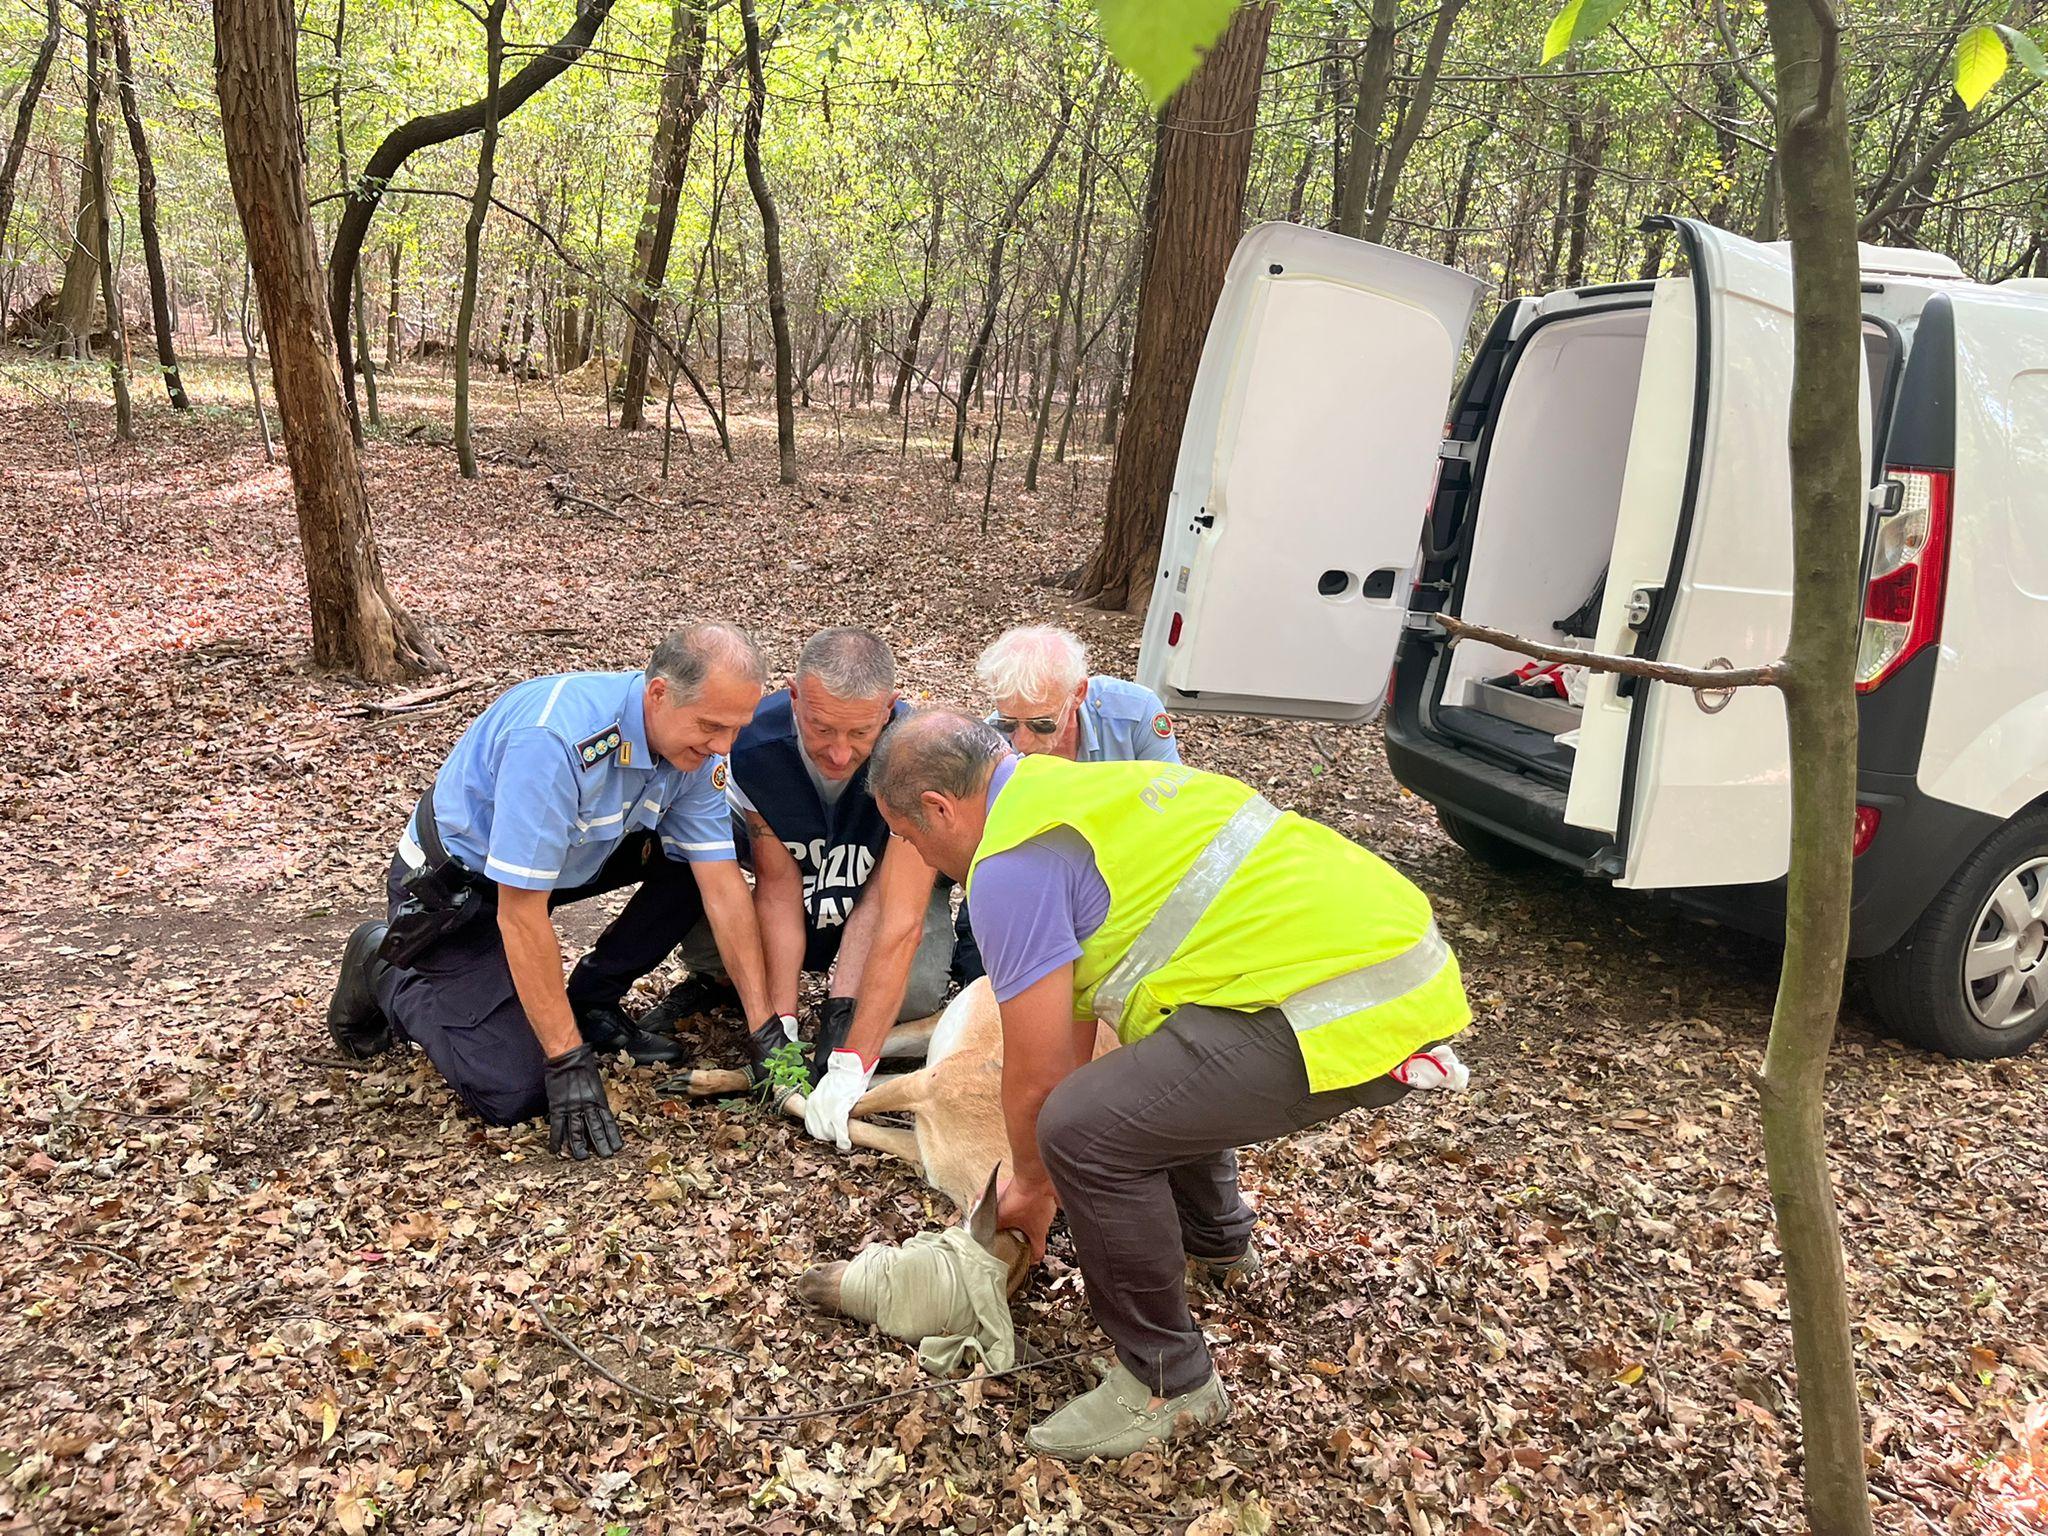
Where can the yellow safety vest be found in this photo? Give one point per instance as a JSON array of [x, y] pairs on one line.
[[1217, 898]]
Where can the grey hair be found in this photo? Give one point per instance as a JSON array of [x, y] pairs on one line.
[[687, 657], [932, 750], [848, 663], [1037, 662]]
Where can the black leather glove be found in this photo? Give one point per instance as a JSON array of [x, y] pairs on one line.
[[579, 1115], [835, 1023], [765, 1042]]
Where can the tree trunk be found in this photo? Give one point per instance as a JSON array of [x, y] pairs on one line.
[[1820, 714], [369, 369], [1341, 84], [1068, 303], [906, 360], [25, 113], [1409, 130], [110, 297], [473, 230], [145, 200], [1590, 152], [1204, 154], [1375, 75], [667, 164], [71, 329], [999, 240], [420, 133], [393, 327], [771, 245], [1461, 202], [356, 623]]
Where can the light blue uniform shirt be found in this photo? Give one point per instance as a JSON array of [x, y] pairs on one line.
[[550, 778], [1123, 722]]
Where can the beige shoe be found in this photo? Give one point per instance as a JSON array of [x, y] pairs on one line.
[[1224, 1274], [1117, 1419]]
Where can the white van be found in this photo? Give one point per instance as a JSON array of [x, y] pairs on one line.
[[1615, 469]]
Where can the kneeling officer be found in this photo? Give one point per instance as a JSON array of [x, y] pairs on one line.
[[565, 787]]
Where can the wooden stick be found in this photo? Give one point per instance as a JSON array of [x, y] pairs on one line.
[[1704, 679], [405, 703]]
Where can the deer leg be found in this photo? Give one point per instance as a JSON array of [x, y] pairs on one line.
[[717, 1083], [908, 1040], [904, 1093]]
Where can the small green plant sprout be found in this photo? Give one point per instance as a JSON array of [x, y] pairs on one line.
[[788, 1072]]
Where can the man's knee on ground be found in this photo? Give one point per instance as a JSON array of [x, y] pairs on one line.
[[507, 1106]]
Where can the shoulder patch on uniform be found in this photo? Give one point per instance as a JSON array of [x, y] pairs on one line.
[[718, 775], [1161, 726], [592, 750]]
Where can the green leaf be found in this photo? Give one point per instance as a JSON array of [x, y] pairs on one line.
[[1161, 41], [1579, 20], [2026, 50], [1981, 61]]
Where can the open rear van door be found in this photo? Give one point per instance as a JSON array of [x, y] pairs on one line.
[[1303, 478], [1696, 787]]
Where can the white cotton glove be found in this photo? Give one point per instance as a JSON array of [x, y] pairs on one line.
[[1437, 1067], [830, 1104]]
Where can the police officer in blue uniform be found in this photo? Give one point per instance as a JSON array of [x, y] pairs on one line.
[[1044, 701], [565, 787], [834, 894], [1036, 677]]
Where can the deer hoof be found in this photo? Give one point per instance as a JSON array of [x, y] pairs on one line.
[[819, 1285]]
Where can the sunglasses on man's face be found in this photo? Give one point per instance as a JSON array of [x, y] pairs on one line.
[[1037, 725]]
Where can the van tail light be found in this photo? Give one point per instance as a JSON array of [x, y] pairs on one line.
[[1173, 631], [1867, 818], [1908, 572]]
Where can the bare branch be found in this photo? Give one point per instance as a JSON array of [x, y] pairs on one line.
[[1705, 679], [1735, 57]]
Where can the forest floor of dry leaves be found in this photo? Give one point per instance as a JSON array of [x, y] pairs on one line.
[[241, 1289]]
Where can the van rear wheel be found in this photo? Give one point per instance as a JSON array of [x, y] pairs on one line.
[[1971, 977], [1489, 848]]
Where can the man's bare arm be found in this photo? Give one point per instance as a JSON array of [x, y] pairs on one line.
[[901, 890], [1039, 1050], [534, 953], [779, 909], [729, 908]]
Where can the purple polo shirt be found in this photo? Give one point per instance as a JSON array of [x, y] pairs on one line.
[[1032, 905]]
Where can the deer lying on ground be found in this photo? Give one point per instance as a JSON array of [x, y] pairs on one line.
[[955, 1103]]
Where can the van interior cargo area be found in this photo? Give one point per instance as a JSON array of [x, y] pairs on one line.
[[1540, 530], [1548, 504]]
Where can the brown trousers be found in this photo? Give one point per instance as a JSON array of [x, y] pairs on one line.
[[1141, 1145]]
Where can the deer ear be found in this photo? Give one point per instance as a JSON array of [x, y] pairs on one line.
[[981, 1216]]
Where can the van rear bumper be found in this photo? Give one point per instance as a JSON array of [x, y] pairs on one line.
[[1919, 843]]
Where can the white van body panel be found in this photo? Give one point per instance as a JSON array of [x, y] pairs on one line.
[[1986, 745], [1712, 779], [1652, 486], [1311, 443]]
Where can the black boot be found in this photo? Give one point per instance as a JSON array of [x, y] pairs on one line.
[[607, 1028], [354, 1020], [698, 993], [763, 1043], [835, 1023]]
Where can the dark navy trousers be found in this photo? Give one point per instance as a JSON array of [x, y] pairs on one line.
[[458, 1004]]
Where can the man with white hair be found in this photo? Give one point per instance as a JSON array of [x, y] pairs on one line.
[[1037, 678], [833, 892]]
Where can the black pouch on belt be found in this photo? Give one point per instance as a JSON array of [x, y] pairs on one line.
[[441, 897]]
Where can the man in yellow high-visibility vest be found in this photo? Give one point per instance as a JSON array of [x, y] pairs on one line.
[[1263, 973]]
